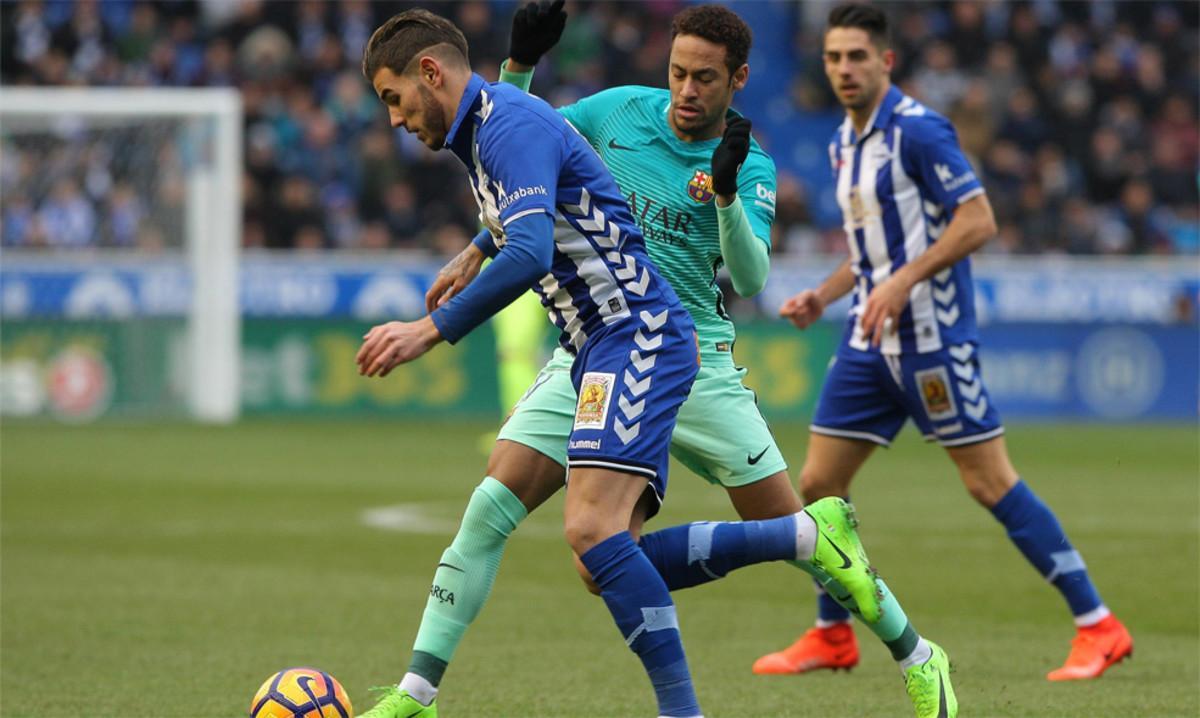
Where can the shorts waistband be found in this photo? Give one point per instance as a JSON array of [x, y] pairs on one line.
[[716, 353]]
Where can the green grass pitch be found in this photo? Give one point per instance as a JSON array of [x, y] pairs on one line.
[[166, 570]]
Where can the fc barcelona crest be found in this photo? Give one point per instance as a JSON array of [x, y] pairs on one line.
[[700, 187]]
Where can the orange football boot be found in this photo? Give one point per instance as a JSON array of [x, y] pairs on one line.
[[1094, 649], [833, 647]]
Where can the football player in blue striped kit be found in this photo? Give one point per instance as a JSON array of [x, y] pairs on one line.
[[913, 212], [557, 223]]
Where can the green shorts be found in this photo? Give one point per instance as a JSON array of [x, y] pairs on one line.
[[719, 433]]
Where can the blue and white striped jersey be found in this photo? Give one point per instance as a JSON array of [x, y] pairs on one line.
[[898, 186], [523, 158]]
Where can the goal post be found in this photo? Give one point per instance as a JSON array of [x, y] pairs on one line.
[[206, 131]]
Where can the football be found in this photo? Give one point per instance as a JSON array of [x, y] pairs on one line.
[[301, 693]]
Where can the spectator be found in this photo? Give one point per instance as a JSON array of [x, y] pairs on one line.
[[1072, 112]]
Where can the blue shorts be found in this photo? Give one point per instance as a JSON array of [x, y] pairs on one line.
[[630, 382], [868, 395]]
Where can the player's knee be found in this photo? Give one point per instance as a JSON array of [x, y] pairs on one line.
[[987, 487], [582, 534], [586, 577]]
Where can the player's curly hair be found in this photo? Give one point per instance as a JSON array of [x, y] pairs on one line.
[[865, 17], [396, 42], [720, 26]]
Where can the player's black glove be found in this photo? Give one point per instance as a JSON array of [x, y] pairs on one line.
[[535, 29], [730, 154]]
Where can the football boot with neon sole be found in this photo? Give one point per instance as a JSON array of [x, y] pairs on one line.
[[831, 648], [928, 686], [395, 703], [840, 554], [1094, 649]]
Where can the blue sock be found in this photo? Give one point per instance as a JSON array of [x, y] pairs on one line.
[[1033, 527], [829, 610], [641, 606], [697, 553]]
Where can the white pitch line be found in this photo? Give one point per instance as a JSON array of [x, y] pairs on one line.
[[415, 518]]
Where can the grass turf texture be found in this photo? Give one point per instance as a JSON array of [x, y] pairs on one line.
[[166, 570]]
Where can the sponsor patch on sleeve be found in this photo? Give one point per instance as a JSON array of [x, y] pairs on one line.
[[595, 394]]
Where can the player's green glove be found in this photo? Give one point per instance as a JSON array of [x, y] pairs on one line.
[[730, 154], [535, 29]]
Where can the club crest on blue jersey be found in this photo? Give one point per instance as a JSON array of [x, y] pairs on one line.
[[594, 393], [700, 187], [935, 393]]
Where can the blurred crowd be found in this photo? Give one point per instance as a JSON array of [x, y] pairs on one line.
[[1080, 117]]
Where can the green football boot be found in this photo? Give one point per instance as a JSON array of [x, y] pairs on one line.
[[928, 686], [396, 703], [840, 554]]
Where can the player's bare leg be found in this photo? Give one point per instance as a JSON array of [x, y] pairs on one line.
[[985, 470], [830, 465], [769, 498], [530, 475], [1100, 639], [597, 512], [636, 522]]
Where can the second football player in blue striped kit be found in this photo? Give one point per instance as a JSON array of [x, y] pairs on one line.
[[913, 212]]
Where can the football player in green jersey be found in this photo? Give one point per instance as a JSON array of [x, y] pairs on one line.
[[703, 192]]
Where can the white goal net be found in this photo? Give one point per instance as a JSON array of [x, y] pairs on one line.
[[121, 228]]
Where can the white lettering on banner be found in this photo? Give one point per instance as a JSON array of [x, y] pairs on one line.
[[389, 297], [100, 295], [1119, 372], [282, 290], [1038, 376]]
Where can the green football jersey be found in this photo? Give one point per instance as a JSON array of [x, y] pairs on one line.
[[667, 184]]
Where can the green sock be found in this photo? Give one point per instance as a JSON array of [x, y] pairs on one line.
[[465, 576], [893, 628]]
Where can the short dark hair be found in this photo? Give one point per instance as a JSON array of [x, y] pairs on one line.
[[720, 26], [396, 42], [864, 17]]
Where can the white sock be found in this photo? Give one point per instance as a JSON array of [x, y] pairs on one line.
[[921, 653], [806, 536], [1093, 616], [418, 688]]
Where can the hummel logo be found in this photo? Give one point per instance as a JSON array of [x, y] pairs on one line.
[[846, 562], [456, 568], [612, 145], [752, 460]]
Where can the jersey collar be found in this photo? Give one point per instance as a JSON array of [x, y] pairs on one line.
[[472, 97]]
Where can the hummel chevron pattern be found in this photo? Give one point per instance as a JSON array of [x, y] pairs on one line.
[[591, 220], [646, 344], [631, 411], [636, 387], [944, 294], [654, 322], [642, 363], [970, 388], [643, 359]]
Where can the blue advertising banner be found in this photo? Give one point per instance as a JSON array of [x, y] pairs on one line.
[[1093, 371], [1054, 289], [1083, 340]]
